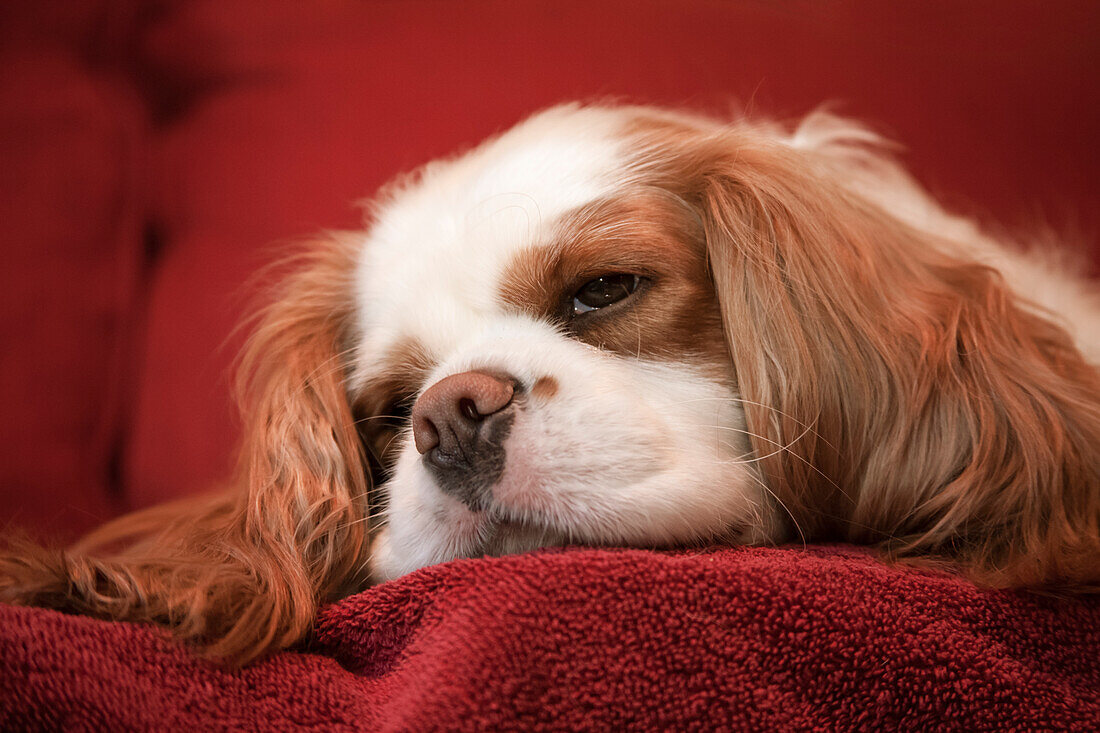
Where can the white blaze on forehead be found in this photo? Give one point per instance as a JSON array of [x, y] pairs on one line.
[[431, 267]]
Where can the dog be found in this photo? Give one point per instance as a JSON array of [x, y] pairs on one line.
[[617, 325]]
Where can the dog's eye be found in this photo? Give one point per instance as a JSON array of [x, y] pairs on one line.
[[603, 291]]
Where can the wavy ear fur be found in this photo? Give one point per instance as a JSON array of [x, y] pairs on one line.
[[242, 573], [920, 403]]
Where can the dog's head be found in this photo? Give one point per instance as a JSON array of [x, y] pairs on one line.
[[541, 356], [629, 326]]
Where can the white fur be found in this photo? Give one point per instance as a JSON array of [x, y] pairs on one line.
[[437, 251]]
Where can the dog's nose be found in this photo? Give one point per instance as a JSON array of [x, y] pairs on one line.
[[459, 425], [448, 415]]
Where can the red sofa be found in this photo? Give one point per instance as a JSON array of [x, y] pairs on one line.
[[154, 154]]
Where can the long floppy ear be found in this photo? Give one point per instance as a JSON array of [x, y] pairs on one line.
[[897, 392], [242, 573]]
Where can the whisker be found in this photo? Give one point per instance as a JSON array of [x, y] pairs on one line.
[[381, 417], [756, 404], [780, 449], [794, 520]]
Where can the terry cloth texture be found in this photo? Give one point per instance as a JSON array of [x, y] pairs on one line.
[[736, 639]]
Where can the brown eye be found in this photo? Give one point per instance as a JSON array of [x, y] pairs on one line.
[[603, 291]]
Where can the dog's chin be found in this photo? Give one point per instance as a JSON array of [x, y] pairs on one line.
[[505, 536], [447, 529], [460, 532]]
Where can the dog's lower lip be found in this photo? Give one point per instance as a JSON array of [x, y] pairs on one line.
[[497, 520], [513, 525], [510, 537], [499, 525]]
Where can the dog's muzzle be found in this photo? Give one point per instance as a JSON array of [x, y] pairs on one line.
[[459, 427]]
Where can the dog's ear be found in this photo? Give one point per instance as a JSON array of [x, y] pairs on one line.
[[306, 509], [243, 573], [896, 392]]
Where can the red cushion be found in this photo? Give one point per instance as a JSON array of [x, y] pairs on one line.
[[785, 639], [71, 211]]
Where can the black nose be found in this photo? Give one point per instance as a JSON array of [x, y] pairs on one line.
[[459, 425]]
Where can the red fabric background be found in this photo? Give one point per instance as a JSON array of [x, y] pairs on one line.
[[154, 154]]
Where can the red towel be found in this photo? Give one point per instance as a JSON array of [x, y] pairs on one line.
[[589, 639]]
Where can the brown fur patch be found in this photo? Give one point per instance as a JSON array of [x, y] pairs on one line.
[[674, 316], [545, 388]]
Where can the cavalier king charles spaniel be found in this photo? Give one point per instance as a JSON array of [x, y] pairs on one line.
[[629, 326]]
